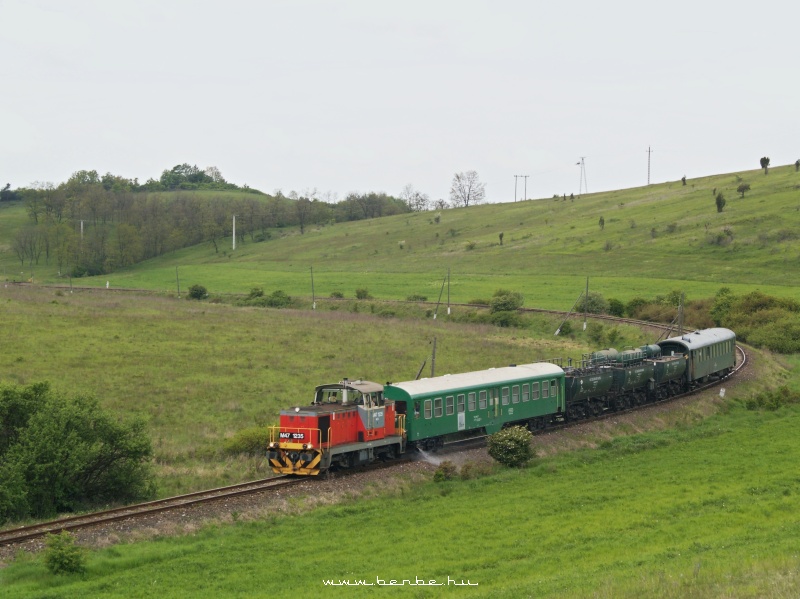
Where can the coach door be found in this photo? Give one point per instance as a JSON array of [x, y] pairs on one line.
[[461, 412]]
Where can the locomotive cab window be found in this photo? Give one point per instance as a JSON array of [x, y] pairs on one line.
[[450, 405], [482, 400], [471, 401], [437, 407], [428, 410]]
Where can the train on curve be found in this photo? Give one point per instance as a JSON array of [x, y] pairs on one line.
[[351, 423]]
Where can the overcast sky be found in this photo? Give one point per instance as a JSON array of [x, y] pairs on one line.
[[348, 96]]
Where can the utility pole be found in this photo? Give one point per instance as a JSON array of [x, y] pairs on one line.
[[515, 187], [582, 184], [526, 186], [234, 231], [649, 151]]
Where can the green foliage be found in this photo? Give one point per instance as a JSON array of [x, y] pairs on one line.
[[511, 446], [60, 454], [198, 292], [504, 300], [616, 307], [416, 297], [760, 319], [446, 471], [62, 555], [720, 202], [772, 400], [595, 304], [764, 163], [596, 333], [744, 187], [506, 319], [337, 295], [566, 328], [252, 441], [633, 306], [363, 294], [255, 292]]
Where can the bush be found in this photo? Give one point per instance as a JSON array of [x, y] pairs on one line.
[[446, 471], [278, 299], [616, 307], [255, 292], [363, 294], [504, 300], [252, 441], [511, 446], [506, 319], [62, 454], [416, 297], [63, 556], [198, 292], [772, 400], [632, 307], [337, 295], [595, 304], [596, 333]]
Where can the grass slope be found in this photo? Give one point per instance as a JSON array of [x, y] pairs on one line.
[[655, 239], [708, 509]]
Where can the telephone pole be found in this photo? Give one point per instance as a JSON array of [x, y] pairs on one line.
[[583, 184], [649, 151], [515, 186], [526, 186]]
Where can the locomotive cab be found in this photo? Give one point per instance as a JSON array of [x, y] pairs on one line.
[[347, 424]]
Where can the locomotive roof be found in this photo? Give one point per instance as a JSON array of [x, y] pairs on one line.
[[359, 385], [480, 378], [699, 339]]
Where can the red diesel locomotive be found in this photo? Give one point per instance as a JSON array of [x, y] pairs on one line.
[[349, 423]]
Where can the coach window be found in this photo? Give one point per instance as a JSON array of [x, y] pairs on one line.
[[428, 412], [545, 388], [535, 391], [504, 393], [482, 400], [472, 404], [460, 402], [450, 405], [437, 407], [526, 393], [553, 388]]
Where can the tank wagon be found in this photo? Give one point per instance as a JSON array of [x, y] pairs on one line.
[[353, 423]]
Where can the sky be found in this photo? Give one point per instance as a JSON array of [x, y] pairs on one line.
[[355, 96]]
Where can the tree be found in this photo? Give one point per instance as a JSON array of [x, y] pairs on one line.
[[683, 180], [415, 200], [602, 223], [797, 165], [720, 200], [765, 164], [6, 195], [467, 189], [743, 188]]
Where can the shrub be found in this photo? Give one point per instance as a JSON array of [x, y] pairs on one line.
[[511, 446], [506, 319], [363, 294], [472, 470], [65, 453], [566, 328], [198, 292], [416, 297], [446, 471], [632, 307], [479, 302], [594, 304], [255, 292], [596, 333], [504, 300], [278, 299], [471, 245], [772, 400], [63, 556], [616, 307], [252, 441], [337, 295]]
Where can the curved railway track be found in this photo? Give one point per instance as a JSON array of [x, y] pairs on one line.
[[25, 533]]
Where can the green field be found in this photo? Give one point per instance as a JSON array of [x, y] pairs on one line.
[[707, 508], [704, 508], [655, 239]]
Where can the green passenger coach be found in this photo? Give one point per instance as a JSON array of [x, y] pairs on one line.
[[486, 400]]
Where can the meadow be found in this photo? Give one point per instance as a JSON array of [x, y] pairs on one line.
[[706, 507], [653, 240], [198, 372]]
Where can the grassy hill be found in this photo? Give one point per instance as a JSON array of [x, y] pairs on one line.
[[655, 239]]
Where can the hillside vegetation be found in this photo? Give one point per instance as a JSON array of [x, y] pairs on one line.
[[653, 240]]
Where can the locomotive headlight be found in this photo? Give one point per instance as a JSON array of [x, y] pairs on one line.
[[310, 446]]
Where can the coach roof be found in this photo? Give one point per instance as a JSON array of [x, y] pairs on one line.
[[481, 378], [700, 339]]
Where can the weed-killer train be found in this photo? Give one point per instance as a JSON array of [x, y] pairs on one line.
[[351, 423]]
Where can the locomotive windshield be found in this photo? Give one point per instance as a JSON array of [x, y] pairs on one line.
[[356, 393]]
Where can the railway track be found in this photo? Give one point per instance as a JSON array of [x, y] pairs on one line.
[[25, 533]]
